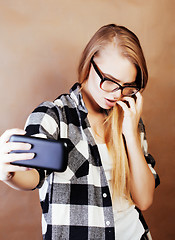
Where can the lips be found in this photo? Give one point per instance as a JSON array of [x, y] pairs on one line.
[[110, 103]]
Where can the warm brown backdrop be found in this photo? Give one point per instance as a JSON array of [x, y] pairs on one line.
[[40, 44]]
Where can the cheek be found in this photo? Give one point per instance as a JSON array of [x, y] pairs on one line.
[[93, 83], [96, 93]]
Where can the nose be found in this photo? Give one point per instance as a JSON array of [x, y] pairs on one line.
[[117, 94]]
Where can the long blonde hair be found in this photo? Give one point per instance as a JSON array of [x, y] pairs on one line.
[[131, 49]]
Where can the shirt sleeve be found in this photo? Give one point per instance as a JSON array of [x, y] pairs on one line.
[[43, 122], [149, 158]]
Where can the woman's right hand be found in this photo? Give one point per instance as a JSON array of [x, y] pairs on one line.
[[6, 169]]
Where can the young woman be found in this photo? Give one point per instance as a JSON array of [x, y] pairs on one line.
[[110, 176]]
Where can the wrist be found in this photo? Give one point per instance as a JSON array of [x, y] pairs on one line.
[[132, 139], [131, 135]]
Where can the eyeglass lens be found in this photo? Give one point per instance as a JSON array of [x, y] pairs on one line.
[[110, 86]]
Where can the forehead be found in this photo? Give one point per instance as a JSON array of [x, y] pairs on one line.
[[111, 51], [111, 62]]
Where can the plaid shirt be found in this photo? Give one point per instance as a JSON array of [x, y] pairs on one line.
[[76, 204]]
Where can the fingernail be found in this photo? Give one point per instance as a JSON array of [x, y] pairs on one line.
[[30, 155], [28, 169], [28, 146]]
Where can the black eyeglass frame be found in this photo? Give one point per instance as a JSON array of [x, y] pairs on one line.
[[103, 79]]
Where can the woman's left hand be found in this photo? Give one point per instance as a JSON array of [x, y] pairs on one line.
[[132, 112]]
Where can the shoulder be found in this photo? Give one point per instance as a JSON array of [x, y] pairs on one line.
[[53, 106], [50, 110]]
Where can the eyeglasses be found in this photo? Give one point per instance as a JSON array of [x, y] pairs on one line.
[[109, 85]]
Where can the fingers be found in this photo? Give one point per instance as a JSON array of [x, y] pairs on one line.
[[8, 133], [139, 101], [123, 105], [7, 158], [12, 168], [6, 147], [11, 146], [129, 103], [6, 167]]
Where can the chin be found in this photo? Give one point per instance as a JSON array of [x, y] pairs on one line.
[[105, 107]]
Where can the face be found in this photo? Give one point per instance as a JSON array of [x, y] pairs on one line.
[[114, 66]]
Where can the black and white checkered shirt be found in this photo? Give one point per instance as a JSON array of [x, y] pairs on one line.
[[76, 204]]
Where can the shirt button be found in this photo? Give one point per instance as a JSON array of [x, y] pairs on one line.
[[104, 195], [107, 223]]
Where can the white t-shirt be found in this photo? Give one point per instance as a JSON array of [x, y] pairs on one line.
[[126, 217]]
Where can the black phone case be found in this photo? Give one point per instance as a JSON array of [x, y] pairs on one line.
[[49, 154]]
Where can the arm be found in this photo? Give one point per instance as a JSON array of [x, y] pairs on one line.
[[142, 179], [43, 122]]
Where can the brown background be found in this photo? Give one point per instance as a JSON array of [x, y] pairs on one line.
[[40, 44]]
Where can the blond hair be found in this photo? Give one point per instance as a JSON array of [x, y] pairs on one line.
[[131, 49]]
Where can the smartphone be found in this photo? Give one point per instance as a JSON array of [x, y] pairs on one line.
[[49, 154]]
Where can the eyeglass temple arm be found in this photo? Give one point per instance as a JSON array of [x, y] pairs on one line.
[[97, 70]]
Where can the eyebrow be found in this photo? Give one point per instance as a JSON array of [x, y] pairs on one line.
[[108, 76]]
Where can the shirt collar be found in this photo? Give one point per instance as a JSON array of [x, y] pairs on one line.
[[75, 94]]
